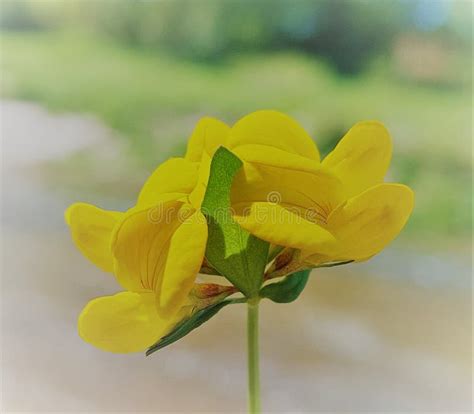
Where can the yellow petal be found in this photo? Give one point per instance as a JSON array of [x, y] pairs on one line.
[[274, 157], [175, 176], [208, 135], [314, 194], [91, 231], [197, 195], [273, 129], [362, 157], [366, 223], [282, 226], [185, 256], [123, 323], [161, 250], [140, 245]]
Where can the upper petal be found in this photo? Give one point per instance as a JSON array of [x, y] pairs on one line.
[[274, 157], [273, 129], [185, 257], [208, 135], [123, 323], [314, 193], [362, 157], [91, 230], [366, 223], [197, 195], [175, 176]]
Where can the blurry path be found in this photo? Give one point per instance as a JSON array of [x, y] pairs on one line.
[[355, 342]]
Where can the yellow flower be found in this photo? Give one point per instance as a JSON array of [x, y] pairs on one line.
[[335, 210], [155, 251]]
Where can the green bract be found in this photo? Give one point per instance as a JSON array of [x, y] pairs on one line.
[[188, 325], [288, 289], [231, 250]]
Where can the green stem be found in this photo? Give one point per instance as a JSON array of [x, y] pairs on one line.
[[253, 357]]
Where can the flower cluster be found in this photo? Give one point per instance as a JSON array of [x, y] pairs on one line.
[[310, 212]]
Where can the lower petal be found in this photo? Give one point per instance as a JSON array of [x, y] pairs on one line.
[[280, 226], [185, 256], [140, 245], [123, 323]]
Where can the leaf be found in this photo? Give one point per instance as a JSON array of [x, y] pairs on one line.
[[231, 250], [288, 289], [188, 325]]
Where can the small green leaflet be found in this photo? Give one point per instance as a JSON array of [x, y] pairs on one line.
[[234, 252], [188, 325], [288, 289]]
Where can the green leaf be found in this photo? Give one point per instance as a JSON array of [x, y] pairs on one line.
[[234, 252], [188, 325], [288, 289]]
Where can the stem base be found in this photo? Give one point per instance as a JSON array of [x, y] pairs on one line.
[[253, 357]]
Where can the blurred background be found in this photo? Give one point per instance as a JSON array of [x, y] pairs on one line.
[[95, 94]]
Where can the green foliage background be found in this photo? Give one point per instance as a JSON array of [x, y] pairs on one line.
[[150, 69]]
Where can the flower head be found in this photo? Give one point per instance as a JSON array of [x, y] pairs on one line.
[[155, 251], [335, 210]]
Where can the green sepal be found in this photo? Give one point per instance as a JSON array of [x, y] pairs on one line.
[[188, 325], [231, 250], [288, 289]]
